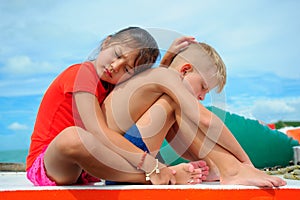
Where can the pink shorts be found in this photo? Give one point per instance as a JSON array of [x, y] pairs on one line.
[[37, 174]]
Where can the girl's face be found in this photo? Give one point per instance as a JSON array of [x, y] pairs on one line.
[[116, 63]]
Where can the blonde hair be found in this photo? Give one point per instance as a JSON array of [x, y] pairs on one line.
[[194, 52], [221, 67]]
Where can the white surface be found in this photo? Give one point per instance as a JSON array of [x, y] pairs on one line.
[[11, 181]]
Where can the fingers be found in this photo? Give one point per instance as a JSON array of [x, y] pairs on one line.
[[165, 177], [201, 164], [189, 168], [184, 42], [181, 43], [186, 38], [181, 46], [199, 171], [172, 180], [194, 181]]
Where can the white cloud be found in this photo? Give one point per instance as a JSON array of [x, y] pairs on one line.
[[16, 126], [24, 87], [266, 109], [24, 66], [277, 109], [273, 105]]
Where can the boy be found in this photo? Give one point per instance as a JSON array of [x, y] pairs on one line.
[[197, 132]]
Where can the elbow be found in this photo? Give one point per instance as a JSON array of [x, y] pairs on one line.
[[208, 120], [205, 122]]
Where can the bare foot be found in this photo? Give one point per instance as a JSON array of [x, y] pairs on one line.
[[186, 173], [201, 164], [213, 175], [247, 175]]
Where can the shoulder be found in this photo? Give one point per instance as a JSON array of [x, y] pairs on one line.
[[77, 77], [160, 73], [155, 79], [79, 67], [69, 73]]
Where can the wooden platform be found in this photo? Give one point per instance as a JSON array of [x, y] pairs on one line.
[[14, 185]]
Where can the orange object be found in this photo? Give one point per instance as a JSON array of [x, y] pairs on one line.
[[164, 194], [272, 126], [294, 133]]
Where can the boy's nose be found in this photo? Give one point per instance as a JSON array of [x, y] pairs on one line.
[[201, 96]]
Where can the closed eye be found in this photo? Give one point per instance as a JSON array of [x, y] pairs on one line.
[[128, 69], [117, 55], [204, 87], [118, 52]]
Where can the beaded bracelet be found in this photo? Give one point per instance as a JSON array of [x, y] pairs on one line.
[[156, 170]]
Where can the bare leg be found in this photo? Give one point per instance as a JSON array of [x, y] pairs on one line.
[[154, 125], [224, 151], [191, 141], [176, 142], [232, 171], [75, 149], [154, 83]]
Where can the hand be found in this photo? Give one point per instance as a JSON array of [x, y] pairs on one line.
[[178, 45], [165, 177], [181, 43]]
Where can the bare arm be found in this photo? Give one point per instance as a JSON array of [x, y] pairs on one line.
[[157, 81], [94, 122]]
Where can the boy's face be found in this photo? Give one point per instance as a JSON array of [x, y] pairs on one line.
[[198, 70], [199, 83], [115, 63]]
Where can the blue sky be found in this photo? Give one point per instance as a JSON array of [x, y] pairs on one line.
[[258, 40]]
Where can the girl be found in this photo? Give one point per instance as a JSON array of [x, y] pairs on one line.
[[70, 115]]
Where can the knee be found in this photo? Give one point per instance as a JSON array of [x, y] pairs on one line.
[[68, 142]]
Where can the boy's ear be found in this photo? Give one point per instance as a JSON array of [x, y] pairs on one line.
[[186, 68]]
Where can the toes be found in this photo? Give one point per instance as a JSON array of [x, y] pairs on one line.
[[205, 169], [277, 182], [202, 163], [269, 184], [199, 164], [205, 172]]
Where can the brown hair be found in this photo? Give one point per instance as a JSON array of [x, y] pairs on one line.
[[140, 39]]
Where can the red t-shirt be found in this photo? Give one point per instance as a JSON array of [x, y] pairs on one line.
[[58, 111]]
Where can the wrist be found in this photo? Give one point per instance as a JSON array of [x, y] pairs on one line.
[[167, 59], [149, 165], [154, 170]]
